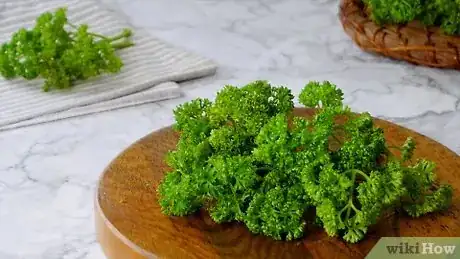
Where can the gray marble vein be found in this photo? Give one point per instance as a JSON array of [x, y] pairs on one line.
[[48, 173]]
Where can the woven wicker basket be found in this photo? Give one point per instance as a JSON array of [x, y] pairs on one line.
[[413, 42]]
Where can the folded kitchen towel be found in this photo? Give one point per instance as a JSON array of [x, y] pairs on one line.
[[150, 72]]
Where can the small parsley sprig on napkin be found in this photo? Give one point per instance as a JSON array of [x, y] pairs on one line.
[[245, 157], [60, 52]]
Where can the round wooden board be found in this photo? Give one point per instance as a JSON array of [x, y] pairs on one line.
[[130, 224]]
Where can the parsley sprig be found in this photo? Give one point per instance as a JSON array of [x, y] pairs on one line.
[[442, 13], [245, 157], [61, 53]]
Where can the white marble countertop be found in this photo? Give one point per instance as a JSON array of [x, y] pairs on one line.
[[48, 173]]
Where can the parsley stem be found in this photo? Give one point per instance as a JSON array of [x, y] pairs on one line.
[[362, 174], [341, 211], [73, 26], [124, 34], [98, 35], [350, 200], [356, 171], [350, 206], [122, 45]]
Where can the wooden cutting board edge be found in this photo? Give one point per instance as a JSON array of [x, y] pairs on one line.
[[109, 237], [115, 245]]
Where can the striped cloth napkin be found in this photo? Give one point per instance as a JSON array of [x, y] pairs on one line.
[[152, 68]]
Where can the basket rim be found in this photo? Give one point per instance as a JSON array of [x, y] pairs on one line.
[[352, 9]]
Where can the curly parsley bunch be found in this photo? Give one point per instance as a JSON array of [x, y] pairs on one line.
[[245, 157], [60, 53], [442, 13]]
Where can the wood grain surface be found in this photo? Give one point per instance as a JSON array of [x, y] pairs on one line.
[[412, 42], [130, 224]]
